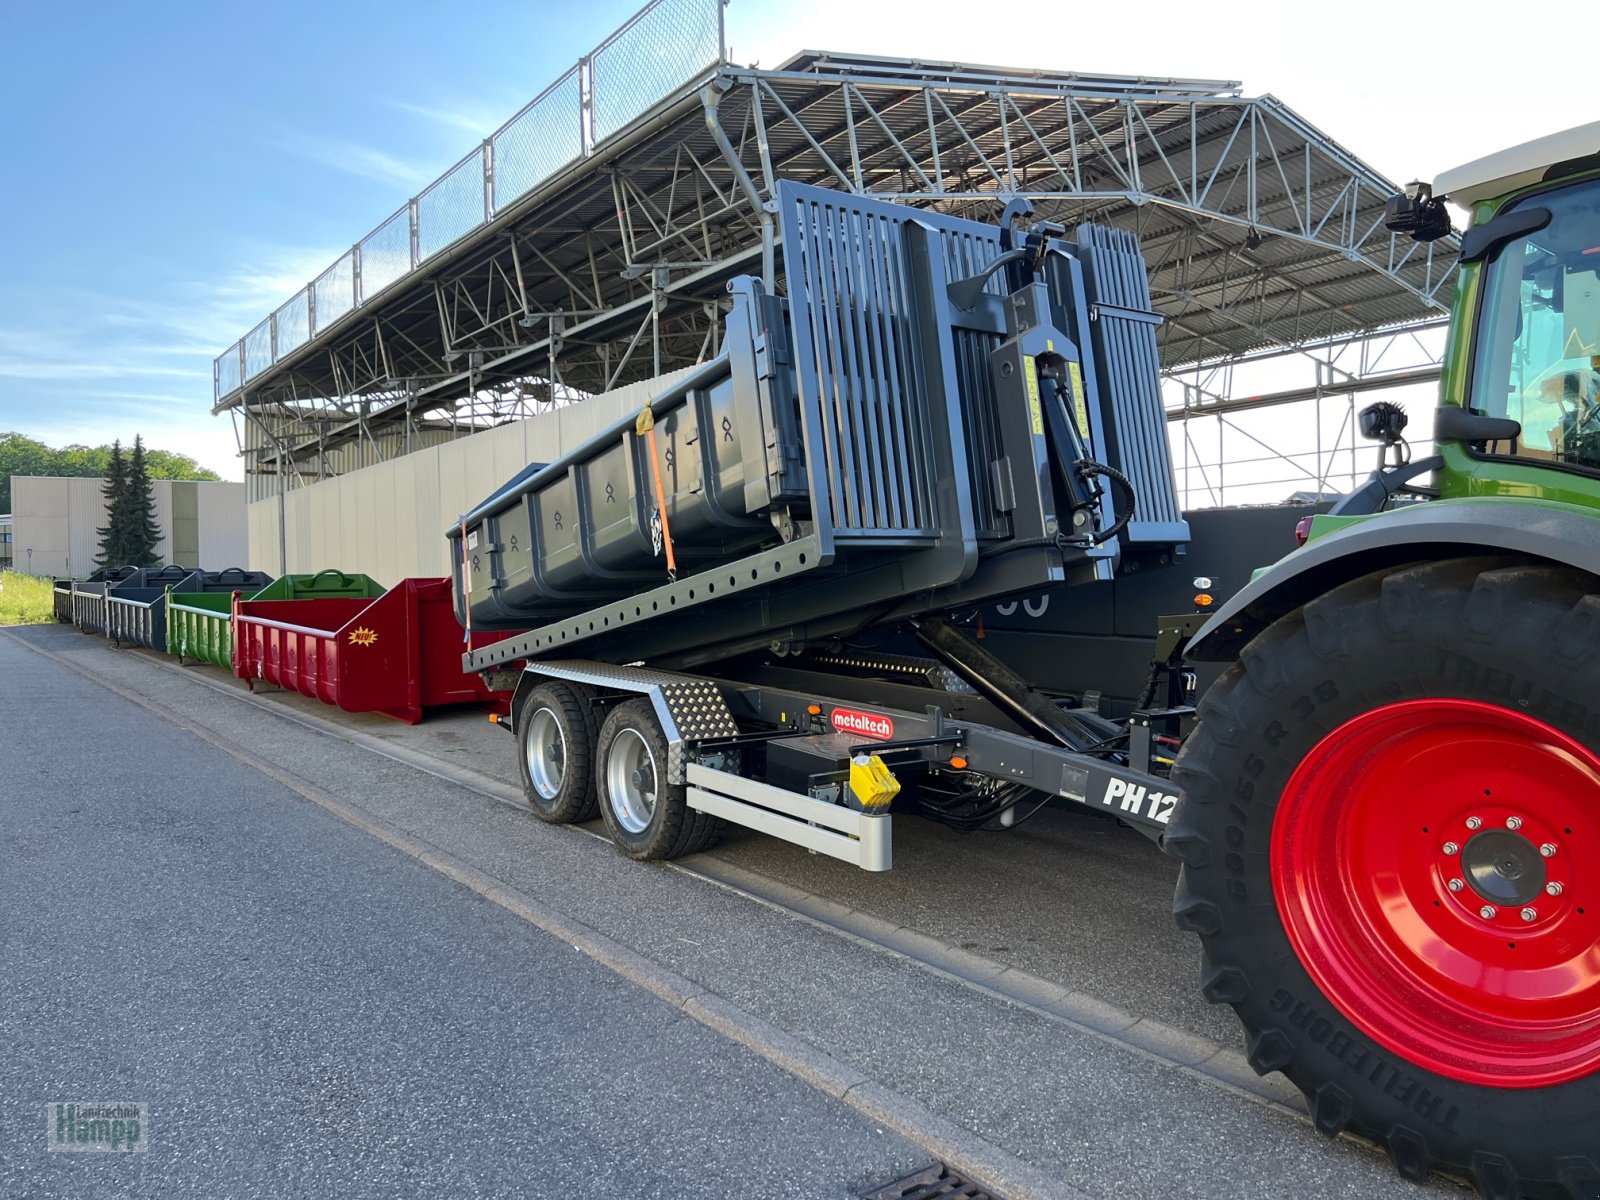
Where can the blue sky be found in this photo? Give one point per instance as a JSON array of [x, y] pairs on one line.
[[174, 170]]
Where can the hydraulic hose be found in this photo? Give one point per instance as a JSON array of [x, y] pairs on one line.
[[1087, 468]]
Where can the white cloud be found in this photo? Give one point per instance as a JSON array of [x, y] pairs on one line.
[[353, 158], [480, 123], [18, 368]]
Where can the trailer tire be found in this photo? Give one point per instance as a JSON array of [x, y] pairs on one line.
[[1439, 1000], [647, 816], [556, 743]]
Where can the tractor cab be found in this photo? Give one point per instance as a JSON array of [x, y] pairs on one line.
[[1521, 387]]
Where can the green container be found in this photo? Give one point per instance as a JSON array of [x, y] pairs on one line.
[[201, 626]]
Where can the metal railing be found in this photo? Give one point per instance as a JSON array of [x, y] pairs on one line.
[[664, 44]]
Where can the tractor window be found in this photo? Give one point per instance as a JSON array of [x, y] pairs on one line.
[[1537, 358]]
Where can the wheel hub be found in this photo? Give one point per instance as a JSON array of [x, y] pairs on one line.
[[1504, 868], [630, 781], [1429, 862], [1508, 868], [546, 753]]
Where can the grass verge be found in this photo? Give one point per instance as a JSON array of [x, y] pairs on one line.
[[25, 600]]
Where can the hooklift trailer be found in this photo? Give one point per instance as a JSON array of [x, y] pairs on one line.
[[1388, 813], [939, 413]]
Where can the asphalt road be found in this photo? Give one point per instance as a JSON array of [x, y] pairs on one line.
[[307, 1012], [1064, 901]]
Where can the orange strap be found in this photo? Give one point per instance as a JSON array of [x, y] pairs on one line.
[[647, 426], [466, 585]]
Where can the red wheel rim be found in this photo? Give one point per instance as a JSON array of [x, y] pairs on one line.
[[1436, 864]]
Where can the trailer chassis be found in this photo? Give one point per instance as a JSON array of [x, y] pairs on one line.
[[829, 719]]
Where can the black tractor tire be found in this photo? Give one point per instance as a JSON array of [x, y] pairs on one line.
[[1523, 637], [555, 752], [648, 817]]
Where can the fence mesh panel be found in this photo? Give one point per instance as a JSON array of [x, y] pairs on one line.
[[228, 372], [386, 254], [664, 45], [667, 43], [294, 323], [539, 140], [258, 349], [336, 291], [451, 206]]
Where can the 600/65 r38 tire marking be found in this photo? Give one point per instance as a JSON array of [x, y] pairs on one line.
[[1420, 958]]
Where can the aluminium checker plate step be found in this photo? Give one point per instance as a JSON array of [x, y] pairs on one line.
[[689, 707]]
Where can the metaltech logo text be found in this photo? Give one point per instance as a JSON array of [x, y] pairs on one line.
[[849, 720]]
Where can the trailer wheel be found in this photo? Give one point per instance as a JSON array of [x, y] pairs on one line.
[[647, 817], [1391, 852], [555, 732]]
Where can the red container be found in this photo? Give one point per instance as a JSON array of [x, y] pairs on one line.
[[395, 655]]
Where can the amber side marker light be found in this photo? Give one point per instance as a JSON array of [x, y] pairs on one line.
[[1205, 600], [814, 709], [959, 763]]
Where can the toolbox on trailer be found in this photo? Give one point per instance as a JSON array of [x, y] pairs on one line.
[[139, 616], [397, 654], [200, 625]]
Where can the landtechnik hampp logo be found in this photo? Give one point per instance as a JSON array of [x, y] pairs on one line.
[[98, 1126]]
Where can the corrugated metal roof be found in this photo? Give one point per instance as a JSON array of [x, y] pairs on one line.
[[1260, 231]]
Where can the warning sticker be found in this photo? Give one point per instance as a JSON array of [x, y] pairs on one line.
[[1080, 403], [472, 540], [1030, 371]]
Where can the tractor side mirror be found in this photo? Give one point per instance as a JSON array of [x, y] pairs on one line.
[[1453, 424], [1483, 240]]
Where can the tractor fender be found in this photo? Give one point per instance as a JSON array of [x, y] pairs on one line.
[[1556, 533]]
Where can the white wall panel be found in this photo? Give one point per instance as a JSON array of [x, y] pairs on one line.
[[388, 520]]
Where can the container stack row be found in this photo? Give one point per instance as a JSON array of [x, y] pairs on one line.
[[336, 636]]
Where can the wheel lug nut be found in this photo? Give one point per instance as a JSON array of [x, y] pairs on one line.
[[1455, 885], [1553, 889], [1548, 849], [1487, 912], [1474, 822], [1530, 914], [1513, 822], [1451, 847]]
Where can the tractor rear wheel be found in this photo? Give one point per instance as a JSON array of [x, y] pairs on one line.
[[1390, 842]]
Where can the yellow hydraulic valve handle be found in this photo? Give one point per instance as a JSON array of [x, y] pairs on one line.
[[874, 785], [645, 427]]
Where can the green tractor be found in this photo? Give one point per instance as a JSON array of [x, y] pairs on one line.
[[1390, 844]]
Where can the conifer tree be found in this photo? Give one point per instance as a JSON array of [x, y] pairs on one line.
[[139, 508], [113, 537]]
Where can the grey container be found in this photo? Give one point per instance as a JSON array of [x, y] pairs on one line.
[[91, 611], [137, 616], [861, 449]]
